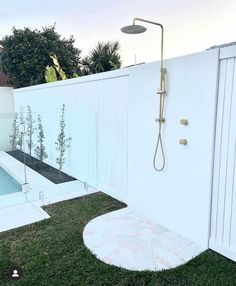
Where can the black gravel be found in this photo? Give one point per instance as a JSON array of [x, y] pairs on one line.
[[42, 168]]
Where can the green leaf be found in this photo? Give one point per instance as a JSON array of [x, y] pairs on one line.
[[50, 74], [58, 67]]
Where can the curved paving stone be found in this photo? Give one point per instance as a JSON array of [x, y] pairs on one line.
[[128, 240]]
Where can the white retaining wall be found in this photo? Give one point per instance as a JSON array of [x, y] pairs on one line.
[[6, 116], [110, 117]]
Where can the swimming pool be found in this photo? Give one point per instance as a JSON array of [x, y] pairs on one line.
[[7, 184]]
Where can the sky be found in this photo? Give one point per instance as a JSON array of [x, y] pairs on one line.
[[190, 25]]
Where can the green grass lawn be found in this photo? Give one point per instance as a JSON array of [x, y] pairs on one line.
[[52, 252]]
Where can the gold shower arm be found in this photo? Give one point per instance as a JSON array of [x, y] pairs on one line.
[[162, 36]]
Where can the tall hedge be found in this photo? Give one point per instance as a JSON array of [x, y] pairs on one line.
[[27, 52]]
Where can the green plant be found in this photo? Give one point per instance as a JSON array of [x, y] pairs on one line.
[[104, 57], [26, 54], [29, 129], [20, 135], [50, 74], [40, 150], [52, 71], [57, 66], [62, 142], [14, 135]]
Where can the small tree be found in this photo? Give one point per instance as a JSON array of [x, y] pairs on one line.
[[26, 53], [104, 57], [62, 142], [14, 135], [20, 135], [29, 129], [40, 150]]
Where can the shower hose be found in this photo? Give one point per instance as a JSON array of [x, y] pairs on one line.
[[159, 143]]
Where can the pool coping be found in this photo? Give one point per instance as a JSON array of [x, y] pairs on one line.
[[42, 191]]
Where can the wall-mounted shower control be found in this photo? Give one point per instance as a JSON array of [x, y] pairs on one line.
[[184, 121], [159, 120], [183, 141]]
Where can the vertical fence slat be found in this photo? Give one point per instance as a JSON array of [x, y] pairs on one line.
[[230, 159], [223, 224], [112, 138], [218, 140]]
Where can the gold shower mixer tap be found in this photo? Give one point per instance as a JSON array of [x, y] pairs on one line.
[[160, 120], [162, 93], [162, 89]]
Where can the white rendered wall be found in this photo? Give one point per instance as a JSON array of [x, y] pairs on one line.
[[111, 122], [180, 196], [6, 116]]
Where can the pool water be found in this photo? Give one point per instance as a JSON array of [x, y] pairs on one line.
[[7, 184]]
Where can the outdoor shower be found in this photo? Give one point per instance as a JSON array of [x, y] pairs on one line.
[[137, 29]]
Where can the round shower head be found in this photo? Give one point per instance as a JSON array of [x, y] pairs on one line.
[[133, 29]]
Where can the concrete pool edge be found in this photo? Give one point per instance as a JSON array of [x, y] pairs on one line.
[[27, 213], [50, 193]]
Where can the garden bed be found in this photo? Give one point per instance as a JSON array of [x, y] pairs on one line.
[[42, 168]]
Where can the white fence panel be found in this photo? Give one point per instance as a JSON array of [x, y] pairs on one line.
[[223, 224], [85, 145], [112, 139], [96, 120]]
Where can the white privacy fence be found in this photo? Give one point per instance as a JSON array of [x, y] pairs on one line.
[[96, 120], [223, 227], [112, 144], [111, 119]]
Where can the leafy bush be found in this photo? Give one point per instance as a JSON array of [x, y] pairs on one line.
[[104, 57], [26, 55]]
